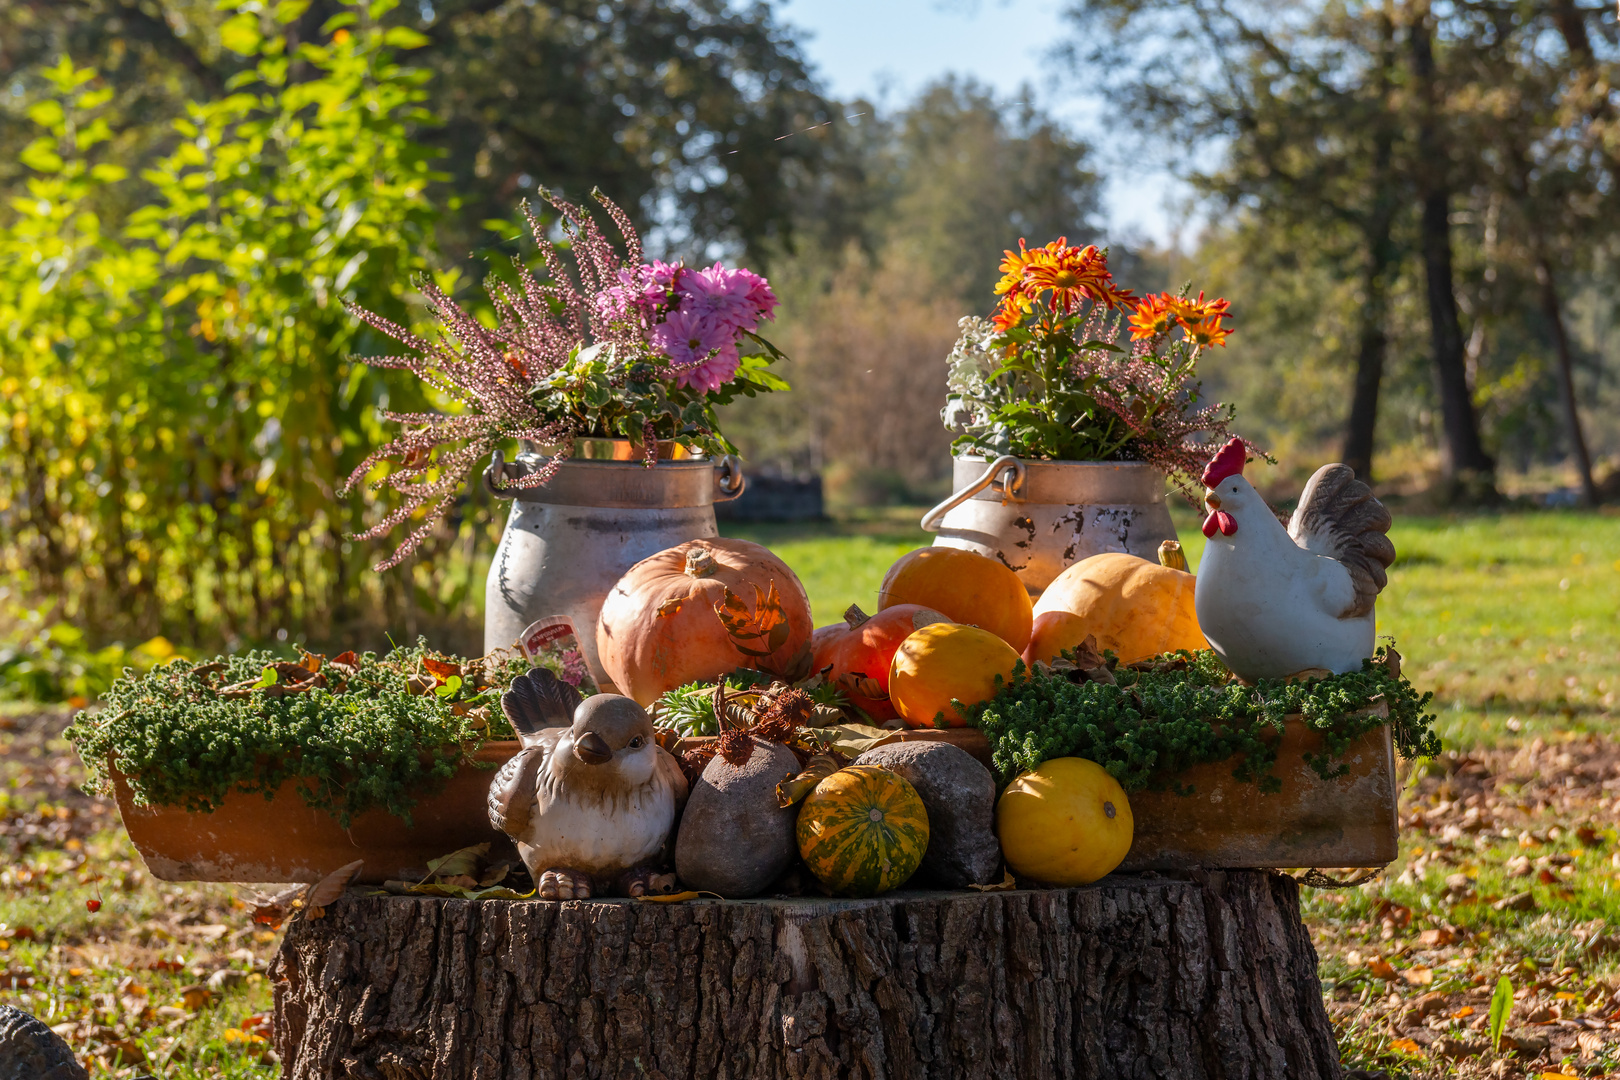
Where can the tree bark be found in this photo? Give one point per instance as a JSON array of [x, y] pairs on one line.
[[1554, 313], [1142, 977], [1463, 458], [1377, 230]]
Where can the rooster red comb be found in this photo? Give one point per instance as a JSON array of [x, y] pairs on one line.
[[1228, 462]]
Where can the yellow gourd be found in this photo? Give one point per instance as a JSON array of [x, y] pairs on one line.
[[942, 662], [1065, 823], [1134, 607]]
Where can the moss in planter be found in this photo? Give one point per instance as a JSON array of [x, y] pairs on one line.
[[380, 732], [1159, 719]]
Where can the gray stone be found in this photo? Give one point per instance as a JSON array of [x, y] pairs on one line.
[[960, 797], [31, 1051], [734, 840]]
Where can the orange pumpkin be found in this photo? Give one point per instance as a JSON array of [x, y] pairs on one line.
[[699, 611], [1136, 608], [945, 662], [968, 587], [856, 653], [1054, 631]]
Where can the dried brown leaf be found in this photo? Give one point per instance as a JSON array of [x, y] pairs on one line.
[[794, 789], [329, 888]]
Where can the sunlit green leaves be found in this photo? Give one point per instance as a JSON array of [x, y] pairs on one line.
[[1501, 1006], [48, 114], [240, 34], [182, 371], [403, 37]]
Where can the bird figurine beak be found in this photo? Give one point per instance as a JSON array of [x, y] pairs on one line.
[[1218, 519], [592, 749]]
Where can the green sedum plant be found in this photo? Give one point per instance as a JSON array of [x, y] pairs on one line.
[[1159, 719], [378, 731]]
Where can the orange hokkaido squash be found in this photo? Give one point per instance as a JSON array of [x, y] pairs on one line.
[[946, 662], [1054, 631], [856, 653], [1134, 607], [700, 610], [967, 587]]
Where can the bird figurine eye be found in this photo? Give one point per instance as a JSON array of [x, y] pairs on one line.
[[637, 743]]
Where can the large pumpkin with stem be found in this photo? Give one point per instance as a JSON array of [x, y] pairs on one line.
[[698, 611], [856, 653], [863, 831], [968, 587], [1134, 607], [943, 663]]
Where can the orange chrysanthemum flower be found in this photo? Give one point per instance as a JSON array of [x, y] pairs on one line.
[[1069, 274], [1154, 314], [1201, 320], [1206, 331]]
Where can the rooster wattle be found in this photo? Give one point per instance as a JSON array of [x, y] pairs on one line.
[[1274, 601]]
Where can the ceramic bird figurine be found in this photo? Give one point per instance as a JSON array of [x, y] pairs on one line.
[[591, 799], [1275, 601]]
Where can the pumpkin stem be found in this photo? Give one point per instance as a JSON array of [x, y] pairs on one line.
[[855, 617], [1171, 555], [700, 563]]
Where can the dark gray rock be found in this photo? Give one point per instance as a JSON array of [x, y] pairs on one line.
[[31, 1051], [960, 797], [734, 840]]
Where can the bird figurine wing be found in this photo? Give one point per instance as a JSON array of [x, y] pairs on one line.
[[511, 793], [1339, 518], [671, 769], [538, 700]]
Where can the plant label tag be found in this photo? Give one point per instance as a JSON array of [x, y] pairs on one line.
[[551, 643]]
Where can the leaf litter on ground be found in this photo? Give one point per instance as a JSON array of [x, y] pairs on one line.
[[162, 979], [1500, 920]]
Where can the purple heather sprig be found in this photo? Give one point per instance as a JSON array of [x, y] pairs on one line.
[[532, 377]]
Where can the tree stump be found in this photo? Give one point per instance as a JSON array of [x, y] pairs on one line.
[[1211, 975]]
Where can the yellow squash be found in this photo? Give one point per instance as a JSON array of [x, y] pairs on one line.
[[1065, 823]]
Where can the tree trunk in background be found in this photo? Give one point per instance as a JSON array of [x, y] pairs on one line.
[[1554, 312], [1137, 976], [1463, 459], [1373, 337]]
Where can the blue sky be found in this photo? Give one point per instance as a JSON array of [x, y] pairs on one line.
[[888, 49]]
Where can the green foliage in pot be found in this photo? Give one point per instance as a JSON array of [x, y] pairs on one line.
[[355, 731], [1149, 722]]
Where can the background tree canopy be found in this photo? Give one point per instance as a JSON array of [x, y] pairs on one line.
[[1414, 213]]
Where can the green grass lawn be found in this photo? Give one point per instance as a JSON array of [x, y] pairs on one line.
[[1513, 620]]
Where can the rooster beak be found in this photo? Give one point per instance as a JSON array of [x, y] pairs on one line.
[[1213, 501], [592, 749]]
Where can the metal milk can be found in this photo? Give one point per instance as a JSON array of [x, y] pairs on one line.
[[1040, 517], [569, 541]]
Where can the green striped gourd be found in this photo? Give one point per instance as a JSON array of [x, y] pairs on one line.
[[863, 831]]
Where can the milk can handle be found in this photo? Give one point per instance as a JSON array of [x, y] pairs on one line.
[[500, 468], [1009, 489], [728, 478]]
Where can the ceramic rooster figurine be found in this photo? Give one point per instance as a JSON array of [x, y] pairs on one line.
[[1276, 601], [591, 799]]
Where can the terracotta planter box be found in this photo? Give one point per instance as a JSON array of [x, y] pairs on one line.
[[1226, 824], [251, 839]]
